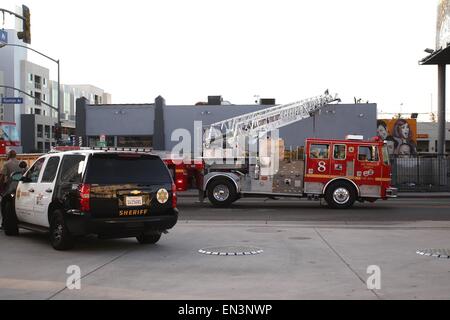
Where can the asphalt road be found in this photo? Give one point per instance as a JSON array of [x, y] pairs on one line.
[[252, 209]]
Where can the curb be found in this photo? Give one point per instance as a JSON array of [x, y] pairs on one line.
[[424, 196], [403, 195]]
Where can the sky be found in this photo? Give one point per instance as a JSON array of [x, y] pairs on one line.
[[288, 50]]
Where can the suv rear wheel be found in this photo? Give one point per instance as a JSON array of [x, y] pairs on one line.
[[60, 237], [10, 220], [149, 238], [221, 193]]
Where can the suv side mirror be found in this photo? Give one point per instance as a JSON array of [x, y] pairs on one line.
[[25, 179]]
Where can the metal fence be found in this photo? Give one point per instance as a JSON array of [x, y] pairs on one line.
[[421, 174]]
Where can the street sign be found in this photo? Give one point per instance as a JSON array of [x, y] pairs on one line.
[[3, 37], [12, 100]]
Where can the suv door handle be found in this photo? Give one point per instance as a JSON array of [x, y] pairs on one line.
[[31, 190], [49, 190]]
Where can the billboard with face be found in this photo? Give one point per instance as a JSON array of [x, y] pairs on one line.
[[400, 134], [443, 24]]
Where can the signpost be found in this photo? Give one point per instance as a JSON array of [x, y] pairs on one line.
[[12, 100], [3, 38]]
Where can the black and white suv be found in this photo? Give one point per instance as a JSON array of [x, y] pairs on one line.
[[112, 194]]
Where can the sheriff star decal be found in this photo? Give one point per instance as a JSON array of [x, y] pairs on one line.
[[39, 198], [162, 196]]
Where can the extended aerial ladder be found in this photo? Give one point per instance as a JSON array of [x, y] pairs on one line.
[[256, 123], [261, 121]]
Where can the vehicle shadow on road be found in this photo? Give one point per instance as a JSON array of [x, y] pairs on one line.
[[86, 244]]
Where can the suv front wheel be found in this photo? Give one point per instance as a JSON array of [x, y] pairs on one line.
[[60, 237]]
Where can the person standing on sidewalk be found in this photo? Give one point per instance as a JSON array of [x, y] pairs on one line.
[[10, 166]]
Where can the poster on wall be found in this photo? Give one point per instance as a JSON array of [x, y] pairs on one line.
[[400, 135], [443, 24]]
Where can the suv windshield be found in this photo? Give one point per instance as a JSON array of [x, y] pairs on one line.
[[126, 168]]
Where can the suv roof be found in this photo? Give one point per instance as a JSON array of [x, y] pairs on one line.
[[97, 151]]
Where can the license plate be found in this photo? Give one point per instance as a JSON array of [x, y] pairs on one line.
[[133, 201]]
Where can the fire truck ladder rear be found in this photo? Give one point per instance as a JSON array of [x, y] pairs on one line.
[[263, 121]]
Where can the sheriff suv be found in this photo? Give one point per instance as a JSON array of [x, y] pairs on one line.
[[112, 194]]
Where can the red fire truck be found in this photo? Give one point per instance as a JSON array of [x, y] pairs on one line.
[[338, 171]]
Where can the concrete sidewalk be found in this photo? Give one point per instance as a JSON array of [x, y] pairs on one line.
[[299, 261]]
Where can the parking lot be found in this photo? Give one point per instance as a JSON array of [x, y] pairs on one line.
[[309, 252]]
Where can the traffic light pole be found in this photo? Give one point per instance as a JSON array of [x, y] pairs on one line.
[[13, 13]]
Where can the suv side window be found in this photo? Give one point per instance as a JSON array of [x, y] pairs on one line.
[[35, 170], [72, 168], [50, 170]]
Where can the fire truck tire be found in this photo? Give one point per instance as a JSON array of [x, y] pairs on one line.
[[221, 193], [10, 220], [340, 195]]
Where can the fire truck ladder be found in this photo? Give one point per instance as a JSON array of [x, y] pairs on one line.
[[266, 120]]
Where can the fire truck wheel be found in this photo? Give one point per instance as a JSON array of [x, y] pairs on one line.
[[340, 195], [10, 220], [221, 193]]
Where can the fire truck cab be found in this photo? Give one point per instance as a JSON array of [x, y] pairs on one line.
[[343, 171]]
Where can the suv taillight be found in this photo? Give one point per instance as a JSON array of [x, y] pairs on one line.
[[85, 191], [174, 195]]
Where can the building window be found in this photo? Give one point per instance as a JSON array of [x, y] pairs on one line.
[[44, 82], [423, 145], [37, 100], [40, 147], [135, 141], [47, 132], [40, 131], [94, 141], [30, 77]]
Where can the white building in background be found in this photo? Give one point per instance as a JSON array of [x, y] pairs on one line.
[[427, 133], [35, 81], [34, 120]]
